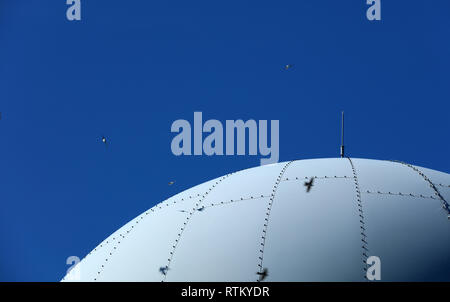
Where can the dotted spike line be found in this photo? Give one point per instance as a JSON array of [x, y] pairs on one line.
[[266, 219], [315, 177], [445, 186], [191, 213], [362, 225], [236, 200], [125, 234], [400, 194], [159, 206], [445, 204], [118, 239], [113, 239]]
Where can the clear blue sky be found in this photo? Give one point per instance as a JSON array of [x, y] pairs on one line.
[[130, 68]]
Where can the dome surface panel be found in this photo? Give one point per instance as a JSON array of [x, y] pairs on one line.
[[314, 236], [321, 167], [254, 182], [386, 176], [440, 180], [411, 235], [221, 243]]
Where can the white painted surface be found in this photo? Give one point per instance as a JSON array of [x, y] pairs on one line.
[[313, 236]]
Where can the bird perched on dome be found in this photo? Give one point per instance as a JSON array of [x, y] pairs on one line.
[[263, 274]]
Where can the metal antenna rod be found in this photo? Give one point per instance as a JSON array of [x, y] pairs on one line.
[[342, 136]]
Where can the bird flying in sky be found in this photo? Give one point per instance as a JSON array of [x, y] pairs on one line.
[[104, 140], [309, 184]]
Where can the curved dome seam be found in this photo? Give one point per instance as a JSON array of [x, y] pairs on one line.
[[445, 204], [164, 270], [362, 223], [266, 220]]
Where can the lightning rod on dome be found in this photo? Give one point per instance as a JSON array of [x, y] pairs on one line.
[[342, 136]]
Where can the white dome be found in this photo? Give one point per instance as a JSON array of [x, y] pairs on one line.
[[230, 228]]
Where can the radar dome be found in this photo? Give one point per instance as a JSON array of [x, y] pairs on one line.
[[305, 220]]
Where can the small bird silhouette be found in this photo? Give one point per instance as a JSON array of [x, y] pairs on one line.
[[263, 274], [201, 209], [104, 141], [288, 66], [171, 183], [309, 184], [163, 270]]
